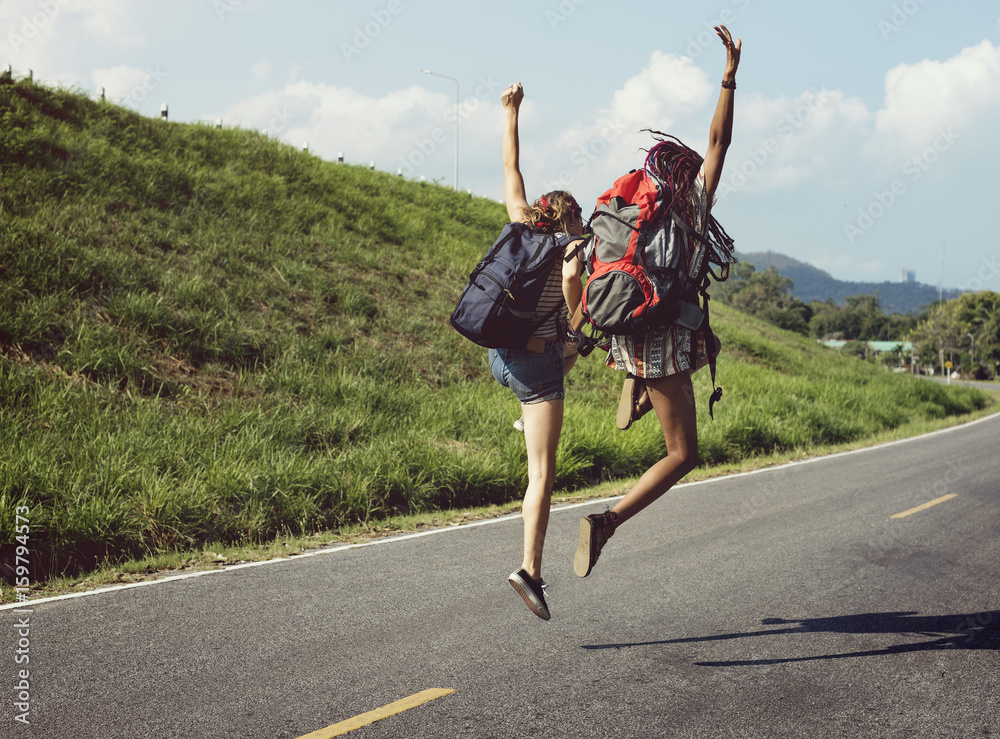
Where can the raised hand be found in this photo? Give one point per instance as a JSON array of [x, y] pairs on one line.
[[732, 51], [512, 96]]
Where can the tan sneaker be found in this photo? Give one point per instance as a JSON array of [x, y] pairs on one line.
[[595, 530]]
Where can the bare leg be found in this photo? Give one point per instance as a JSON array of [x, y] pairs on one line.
[[542, 425], [673, 402], [568, 363]]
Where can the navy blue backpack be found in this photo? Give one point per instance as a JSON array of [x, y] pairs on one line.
[[498, 308]]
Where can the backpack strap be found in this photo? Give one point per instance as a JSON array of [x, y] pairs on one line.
[[710, 350], [532, 316], [710, 248], [703, 290], [688, 230], [580, 246]]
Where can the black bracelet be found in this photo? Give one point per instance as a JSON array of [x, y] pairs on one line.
[[729, 85]]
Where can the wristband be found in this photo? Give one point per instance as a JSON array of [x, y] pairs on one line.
[[729, 85]]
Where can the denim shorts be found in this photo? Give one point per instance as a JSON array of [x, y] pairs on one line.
[[533, 377]]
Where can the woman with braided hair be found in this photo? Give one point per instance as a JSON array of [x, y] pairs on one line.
[[659, 363], [535, 373]]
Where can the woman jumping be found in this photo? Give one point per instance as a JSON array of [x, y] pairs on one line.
[[535, 373], [659, 363]]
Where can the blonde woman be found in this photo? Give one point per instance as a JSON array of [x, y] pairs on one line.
[[535, 374]]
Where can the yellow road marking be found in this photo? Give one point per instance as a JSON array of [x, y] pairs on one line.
[[925, 506], [405, 704]]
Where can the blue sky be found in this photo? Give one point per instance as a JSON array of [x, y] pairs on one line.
[[865, 137]]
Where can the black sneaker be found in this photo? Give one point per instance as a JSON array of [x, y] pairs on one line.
[[533, 592], [595, 530]]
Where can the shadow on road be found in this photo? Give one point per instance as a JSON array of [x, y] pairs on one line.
[[960, 631]]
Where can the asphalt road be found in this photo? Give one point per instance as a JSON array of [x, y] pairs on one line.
[[783, 603]]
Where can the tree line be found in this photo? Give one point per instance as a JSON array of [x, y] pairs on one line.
[[964, 330]]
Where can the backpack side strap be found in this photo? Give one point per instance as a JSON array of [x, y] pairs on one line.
[[581, 244], [688, 230]]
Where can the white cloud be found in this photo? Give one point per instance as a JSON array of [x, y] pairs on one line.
[[32, 33], [820, 138], [402, 129], [130, 85], [930, 95], [586, 157], [52, 36], [666, 88], [117, 81], [114, 21], [261, 71], [831, 142], [781, 142], [111, 21]]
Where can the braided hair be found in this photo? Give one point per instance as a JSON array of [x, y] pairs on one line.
[[674, 166]]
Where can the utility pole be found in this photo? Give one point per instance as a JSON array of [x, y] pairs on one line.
[[941, 280], [427, 71]]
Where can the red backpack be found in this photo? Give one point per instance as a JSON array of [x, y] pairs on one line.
[[646, 266]]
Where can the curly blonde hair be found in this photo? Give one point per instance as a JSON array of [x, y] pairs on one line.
[[552, 212]]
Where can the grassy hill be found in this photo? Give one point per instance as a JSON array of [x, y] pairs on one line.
[[207, 336]]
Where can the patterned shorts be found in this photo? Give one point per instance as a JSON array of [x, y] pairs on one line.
[[659, 353]]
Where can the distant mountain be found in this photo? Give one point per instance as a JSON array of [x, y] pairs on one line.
[[812, 283]]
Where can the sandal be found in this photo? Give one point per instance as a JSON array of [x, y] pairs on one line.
[[634, 402]]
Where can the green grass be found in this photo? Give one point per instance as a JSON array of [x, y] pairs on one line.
[[209, 339]]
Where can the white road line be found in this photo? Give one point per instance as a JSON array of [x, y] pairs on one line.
[[503, 519]]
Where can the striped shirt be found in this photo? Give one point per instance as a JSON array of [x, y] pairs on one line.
[[552, 297]]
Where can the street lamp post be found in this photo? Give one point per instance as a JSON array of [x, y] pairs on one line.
[[972, 349], [427, 71]]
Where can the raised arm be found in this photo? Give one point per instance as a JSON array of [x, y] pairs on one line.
[[721, 133], [512, 179], [571, 285]]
